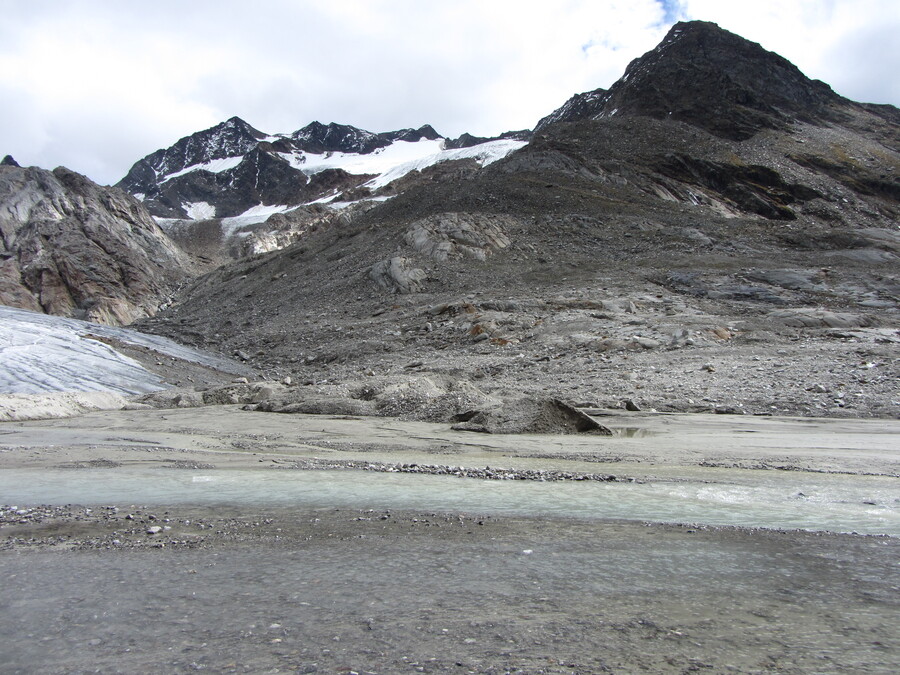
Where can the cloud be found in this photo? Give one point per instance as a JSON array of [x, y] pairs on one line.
[[97, 84]]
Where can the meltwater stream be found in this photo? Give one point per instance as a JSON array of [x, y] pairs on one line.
[[771, 499]]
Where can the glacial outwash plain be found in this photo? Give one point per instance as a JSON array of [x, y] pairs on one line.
[[616, 394]]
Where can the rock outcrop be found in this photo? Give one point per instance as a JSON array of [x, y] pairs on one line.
[[459, 234], [73, 248]]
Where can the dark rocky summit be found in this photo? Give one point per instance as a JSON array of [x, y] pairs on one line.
[[9, 161], [715, 80], [73, 248], [320, 138]]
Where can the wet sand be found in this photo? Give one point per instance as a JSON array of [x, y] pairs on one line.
[[305, 590]]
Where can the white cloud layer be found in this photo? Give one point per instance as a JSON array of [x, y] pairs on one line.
[[96, 84]]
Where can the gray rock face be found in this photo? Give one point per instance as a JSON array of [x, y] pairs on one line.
[[397, 274], [460, 234], [73, 248]]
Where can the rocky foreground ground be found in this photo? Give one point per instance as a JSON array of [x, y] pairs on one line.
[[286, 590]]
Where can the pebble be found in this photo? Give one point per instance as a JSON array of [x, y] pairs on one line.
[[486, 473]]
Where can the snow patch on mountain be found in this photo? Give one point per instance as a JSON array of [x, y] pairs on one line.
[[337, 206], [377, 162], [484, 154], [214, 166], [199, 210], [252, 216]]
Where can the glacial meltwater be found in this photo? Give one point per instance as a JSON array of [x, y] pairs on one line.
[[712, 496]]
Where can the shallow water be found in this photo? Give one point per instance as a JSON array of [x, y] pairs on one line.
[[784, 500]]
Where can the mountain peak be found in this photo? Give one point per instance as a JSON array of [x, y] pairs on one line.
[[710, 78], [318, 138], [9, 161]]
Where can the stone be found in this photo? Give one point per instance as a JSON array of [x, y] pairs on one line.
[[806, 317], [398, 275], [531, 415], [645, 342]]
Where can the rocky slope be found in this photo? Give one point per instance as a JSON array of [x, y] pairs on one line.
[[73, 248], [739, 255]]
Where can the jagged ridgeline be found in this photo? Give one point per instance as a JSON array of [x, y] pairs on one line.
[[234, 170]]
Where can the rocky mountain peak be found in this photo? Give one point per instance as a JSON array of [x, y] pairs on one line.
[[9, 161], [710, 78], [319, 138], [426, 132], [231, 138], [580, 106]]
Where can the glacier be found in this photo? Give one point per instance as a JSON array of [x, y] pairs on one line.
[[40, 353]]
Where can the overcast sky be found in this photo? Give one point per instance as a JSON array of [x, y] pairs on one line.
[[97, 84]]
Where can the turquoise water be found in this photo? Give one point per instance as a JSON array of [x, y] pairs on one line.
[[772, 499]]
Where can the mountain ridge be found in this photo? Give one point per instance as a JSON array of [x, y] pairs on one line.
[[615, 256], [232, 167]]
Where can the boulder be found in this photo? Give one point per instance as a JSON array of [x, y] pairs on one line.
[[530, 416], [398, 275]]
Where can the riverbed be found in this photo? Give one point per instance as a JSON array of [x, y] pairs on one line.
[[236, 541]]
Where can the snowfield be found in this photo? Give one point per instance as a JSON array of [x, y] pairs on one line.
[[484, 154], [377, 162], [199, 210], [252, 216]]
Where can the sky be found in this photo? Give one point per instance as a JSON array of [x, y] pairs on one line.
[[95, 85]]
